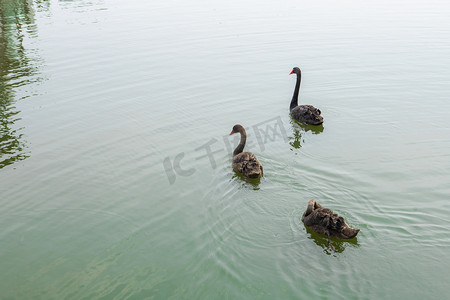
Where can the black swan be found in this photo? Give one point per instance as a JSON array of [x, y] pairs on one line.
[[324, 221], [245, 162], [303, 113]]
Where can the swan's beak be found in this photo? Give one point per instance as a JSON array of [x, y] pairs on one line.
[[232, 132], [291, 72]]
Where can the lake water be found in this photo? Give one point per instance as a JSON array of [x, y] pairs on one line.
[[108, 110]]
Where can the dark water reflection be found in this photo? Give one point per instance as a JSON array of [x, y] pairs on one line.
[[322, 241], [298, 129], [18, 67], [248, 182]]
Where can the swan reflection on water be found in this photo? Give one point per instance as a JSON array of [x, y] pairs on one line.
[[247, 182], [339, 244], [299, 129]]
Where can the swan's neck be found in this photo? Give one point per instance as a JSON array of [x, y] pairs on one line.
[[241, 145], [294, 101]]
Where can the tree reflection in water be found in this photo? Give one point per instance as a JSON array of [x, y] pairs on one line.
[[18, 68]]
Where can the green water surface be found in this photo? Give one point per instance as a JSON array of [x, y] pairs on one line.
[[108, 110]]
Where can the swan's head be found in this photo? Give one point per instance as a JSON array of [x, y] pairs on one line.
[[295, 70], [236, 128]]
